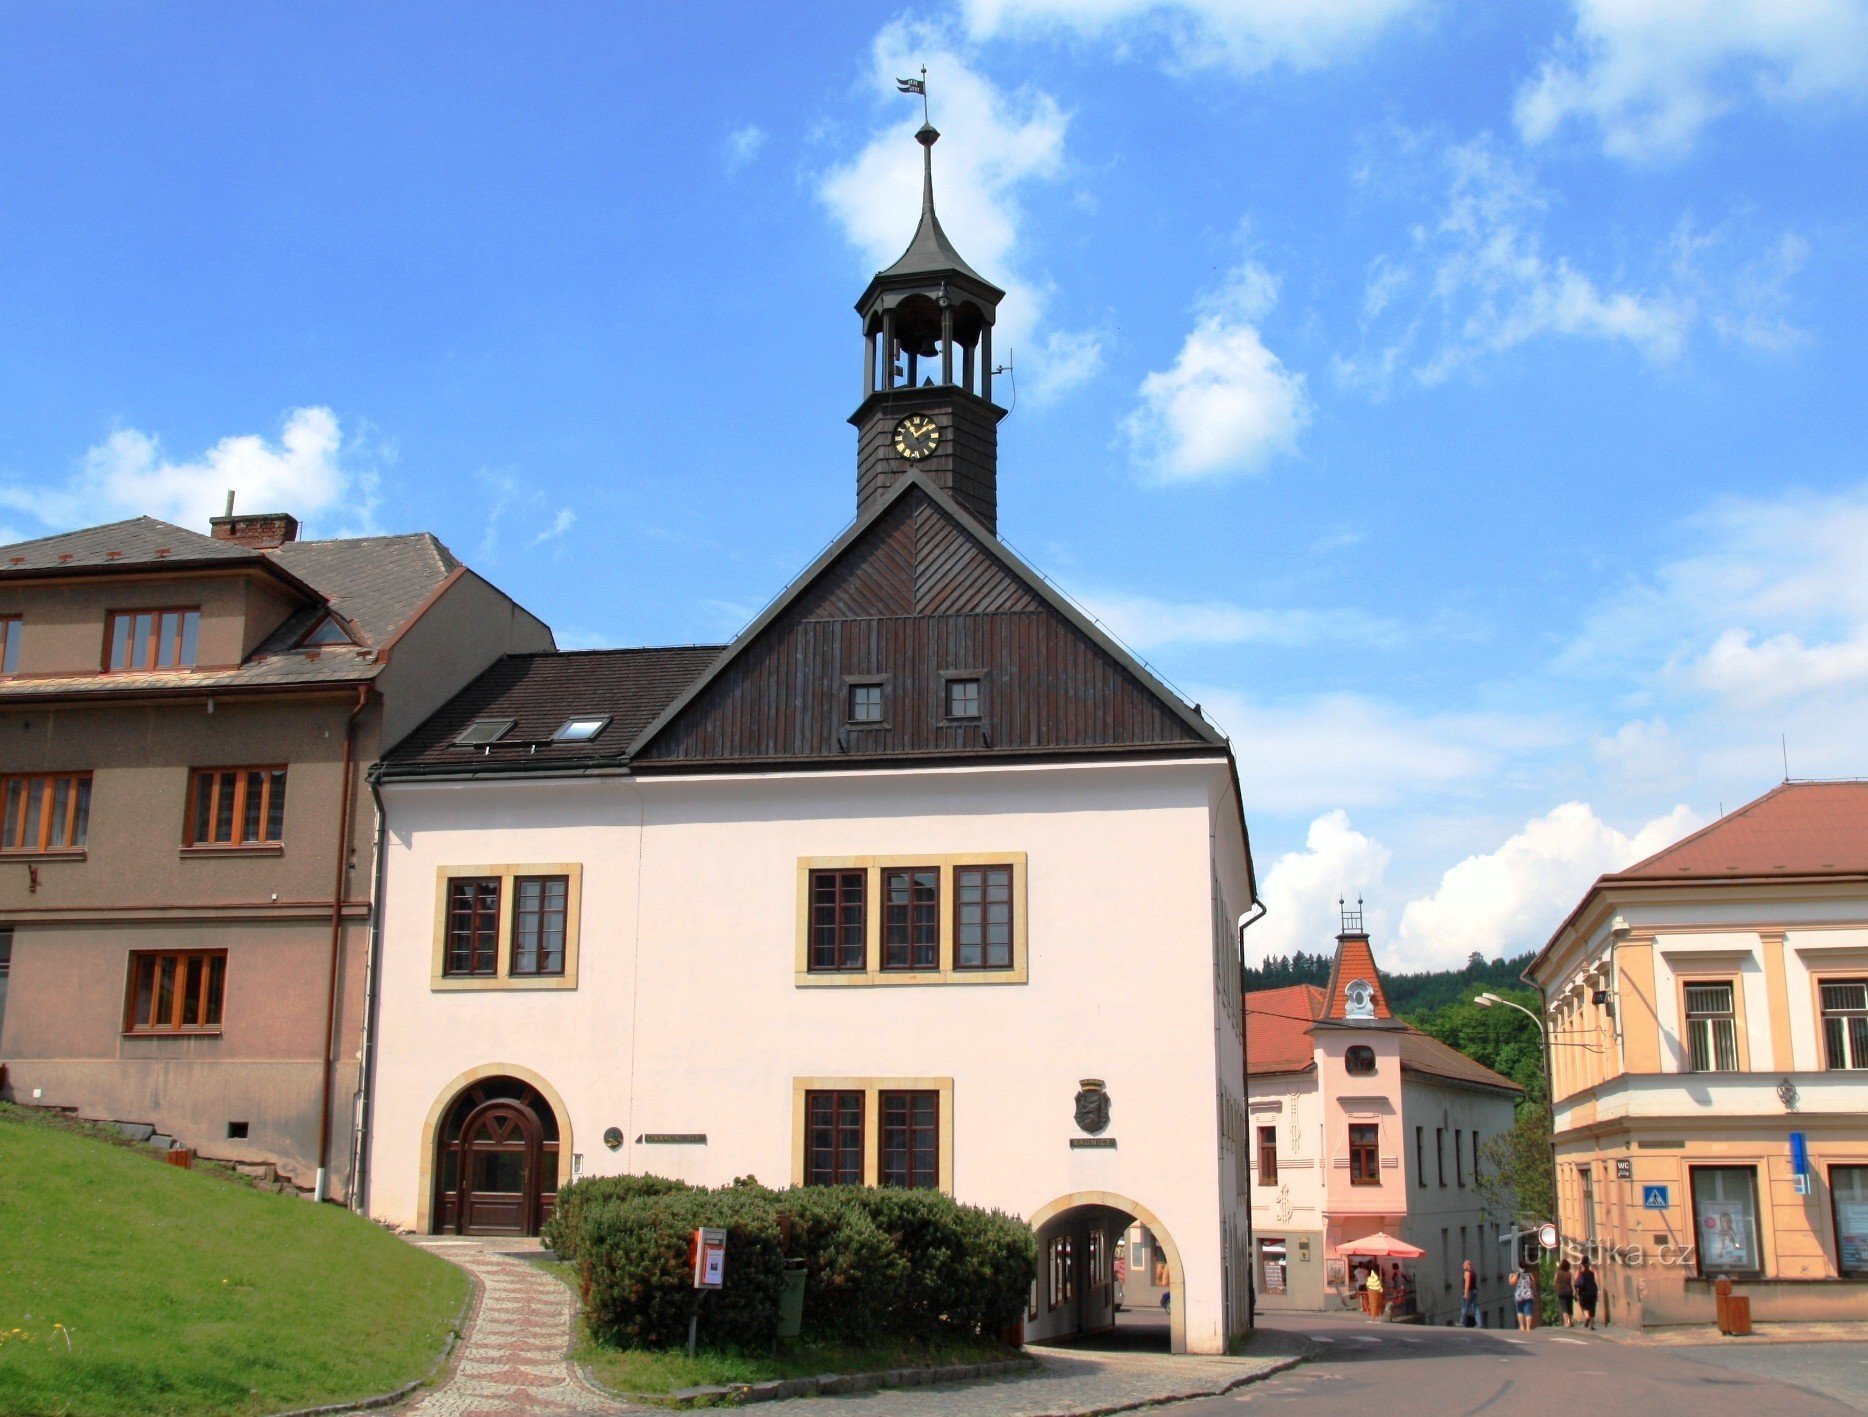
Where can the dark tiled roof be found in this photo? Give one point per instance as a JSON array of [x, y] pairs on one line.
[[1423, 1054], [375, 582], [1279, 1039], [1796, 829], [541, 691], [138, 540]]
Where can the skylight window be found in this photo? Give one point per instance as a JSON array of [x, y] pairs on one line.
[[484, 730], [580, 730], [327, 632]]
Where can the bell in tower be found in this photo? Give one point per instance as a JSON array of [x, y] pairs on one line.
[[927, 370]]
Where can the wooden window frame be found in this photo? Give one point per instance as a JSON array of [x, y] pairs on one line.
[[853, 682], [1823, 1015], [873, 1089], [210, 989], [1267, 1155], [839, 1098], [872, 973], [1733, 982], [905, 917], [950, 677], [504, 947], [516, 906], [1439, 1154], [77, 814], [154, 657], [960, 905], [909, 1098], [9, 644], [241, 787], [843, 877], [1372, 1149]]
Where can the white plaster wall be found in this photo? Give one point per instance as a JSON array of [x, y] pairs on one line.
[[1288, 1101], [687, 1018], [1807, 954], [1433, 1208]]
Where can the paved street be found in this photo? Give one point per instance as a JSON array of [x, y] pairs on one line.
[[1399, 1370]]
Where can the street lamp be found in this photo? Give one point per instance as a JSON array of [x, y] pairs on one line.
[[1486, 1000]]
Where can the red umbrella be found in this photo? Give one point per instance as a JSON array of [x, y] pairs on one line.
[[1382, 1245]]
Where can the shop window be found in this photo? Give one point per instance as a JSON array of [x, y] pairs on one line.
[[1725, 1219], [1271, 1266], [1845, 1023], [1711, 1029], [1848, 1194]]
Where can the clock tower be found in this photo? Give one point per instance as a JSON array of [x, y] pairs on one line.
[[927, 370]]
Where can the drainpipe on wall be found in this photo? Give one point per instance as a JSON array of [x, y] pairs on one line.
[[366, 1069], [320, 1188], [1246, 922]]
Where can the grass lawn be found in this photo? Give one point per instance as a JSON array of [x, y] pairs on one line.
[[130, 1286], [644, 1371]]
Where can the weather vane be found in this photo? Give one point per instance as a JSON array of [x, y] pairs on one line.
[[919, 86]]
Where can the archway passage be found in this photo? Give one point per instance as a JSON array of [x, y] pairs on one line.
[[496, 1167], [1104, 1266]]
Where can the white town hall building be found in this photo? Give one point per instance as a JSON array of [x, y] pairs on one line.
[[923, 881]]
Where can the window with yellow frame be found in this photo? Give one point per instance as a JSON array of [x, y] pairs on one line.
[[507, 926], [927, 919]]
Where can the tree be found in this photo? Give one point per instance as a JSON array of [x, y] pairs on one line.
[[1503, 1039], [1516, 1177]]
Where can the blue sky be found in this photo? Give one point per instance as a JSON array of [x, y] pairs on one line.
[[1462, 402]]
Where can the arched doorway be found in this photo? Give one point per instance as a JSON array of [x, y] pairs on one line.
[[496, 1162], [1084, 1241]]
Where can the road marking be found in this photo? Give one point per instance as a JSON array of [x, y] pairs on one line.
[[1367, 1338], [1319, 1338], [1521, 1342], [1579, 1341]]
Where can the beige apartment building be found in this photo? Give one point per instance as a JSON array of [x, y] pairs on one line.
[[1708, 1009], [187, 837]]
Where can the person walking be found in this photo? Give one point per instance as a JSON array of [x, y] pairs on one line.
[[1524, 1293], [1469, 1296], [1566, 1293], [1587, 1292]]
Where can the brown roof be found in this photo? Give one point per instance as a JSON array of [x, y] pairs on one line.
[[1279, 1039], [140, 541], [1795, 829], [1277, 1028], [1354, 960], [541, 691]]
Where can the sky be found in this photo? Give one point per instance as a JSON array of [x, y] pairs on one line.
[[1462, 402]]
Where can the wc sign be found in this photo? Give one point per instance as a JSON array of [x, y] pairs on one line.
[[709, 1250]]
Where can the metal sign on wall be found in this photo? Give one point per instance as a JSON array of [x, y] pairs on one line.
[[1655, 1198]]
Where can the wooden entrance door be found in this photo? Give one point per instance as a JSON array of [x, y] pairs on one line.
[[497, 1171]]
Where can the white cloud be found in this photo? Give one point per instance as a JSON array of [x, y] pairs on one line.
[[1509, 900], [1302, 888], [995, 144], [560, 524], [1348, 750], [1228, 405], [1650, 74], [1147, 623], [1245, 36], [1064, 361], [743, 145], [1477, 279], [310, 471]]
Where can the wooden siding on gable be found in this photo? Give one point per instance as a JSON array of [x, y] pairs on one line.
[[914, 598]]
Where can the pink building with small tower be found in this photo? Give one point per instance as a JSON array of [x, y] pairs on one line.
[[1363, 1126]]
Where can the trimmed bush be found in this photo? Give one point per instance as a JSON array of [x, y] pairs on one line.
[[638, 1277], [561, 1232], [879, 1263]]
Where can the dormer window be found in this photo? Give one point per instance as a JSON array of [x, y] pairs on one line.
[[153, 639], [580, 730], [1359, 1061], [327, 631], [483, 731], [1359, 999]]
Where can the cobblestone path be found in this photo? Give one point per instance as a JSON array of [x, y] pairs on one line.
[[514, 1357]]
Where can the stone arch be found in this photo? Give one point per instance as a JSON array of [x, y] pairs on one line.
[[1109, 1200], [424, 1196]]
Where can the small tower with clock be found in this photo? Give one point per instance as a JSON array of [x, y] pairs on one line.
[[927, 370]]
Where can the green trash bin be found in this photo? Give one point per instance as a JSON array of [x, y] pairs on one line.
[[791, 1301]]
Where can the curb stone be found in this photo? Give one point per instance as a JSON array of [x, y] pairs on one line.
[[1283, 1365], [408, 1389], [825, 1384]]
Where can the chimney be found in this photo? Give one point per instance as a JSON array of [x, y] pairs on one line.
[[262, 531]]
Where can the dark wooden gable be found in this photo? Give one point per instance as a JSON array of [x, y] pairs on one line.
[[916, 597]]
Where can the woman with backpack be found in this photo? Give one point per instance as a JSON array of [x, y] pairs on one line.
[[1524, 1293]]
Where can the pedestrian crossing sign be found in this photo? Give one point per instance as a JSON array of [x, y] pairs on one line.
[[1655, 1198]]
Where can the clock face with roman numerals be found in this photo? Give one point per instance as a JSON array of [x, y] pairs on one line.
[[916, 436]]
